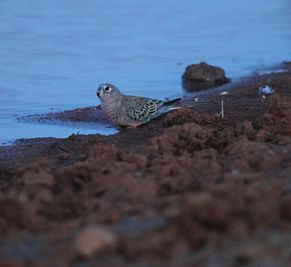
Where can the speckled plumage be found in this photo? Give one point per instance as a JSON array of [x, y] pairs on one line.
[[129, 110], [140, 108]]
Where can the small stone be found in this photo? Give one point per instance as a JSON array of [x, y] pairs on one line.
[[92, 239], [202, 76], [223, 93]]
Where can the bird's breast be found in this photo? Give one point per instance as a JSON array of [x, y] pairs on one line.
[[110, 111]]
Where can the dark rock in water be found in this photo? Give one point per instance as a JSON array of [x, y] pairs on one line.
[[201, 76], [286, 65]]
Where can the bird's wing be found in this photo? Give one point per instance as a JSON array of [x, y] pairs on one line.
[[140, 109]]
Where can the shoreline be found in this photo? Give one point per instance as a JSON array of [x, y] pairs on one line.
[[187, 181], [234, 113]]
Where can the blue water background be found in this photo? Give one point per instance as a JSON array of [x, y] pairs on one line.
[[53, 54]]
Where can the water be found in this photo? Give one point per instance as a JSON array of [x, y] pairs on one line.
[[53, 54]]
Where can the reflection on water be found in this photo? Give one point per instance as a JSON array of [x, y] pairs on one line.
[[53, 54]]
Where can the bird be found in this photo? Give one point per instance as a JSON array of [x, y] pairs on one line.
[[133, 111]]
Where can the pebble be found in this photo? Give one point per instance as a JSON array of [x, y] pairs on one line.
[[92, 239]]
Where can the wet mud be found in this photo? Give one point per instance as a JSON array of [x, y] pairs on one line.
[[189, 189]]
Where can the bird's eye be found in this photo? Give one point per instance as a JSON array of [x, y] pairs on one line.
[[107, 88]]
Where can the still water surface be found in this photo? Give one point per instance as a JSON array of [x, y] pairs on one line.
[[53, 54]]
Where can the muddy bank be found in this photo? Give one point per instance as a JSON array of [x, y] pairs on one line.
[[188, 189]]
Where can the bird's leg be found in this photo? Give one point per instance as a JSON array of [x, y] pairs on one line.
[[133, 125]]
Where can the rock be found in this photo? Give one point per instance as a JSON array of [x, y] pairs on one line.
[[201, 76], [92, 239]]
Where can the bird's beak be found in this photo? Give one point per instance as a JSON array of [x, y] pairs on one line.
[[99, 93]]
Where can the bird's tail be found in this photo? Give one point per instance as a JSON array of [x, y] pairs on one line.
[[186, 103]]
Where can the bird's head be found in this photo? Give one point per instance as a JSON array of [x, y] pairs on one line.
[[107, 91]]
